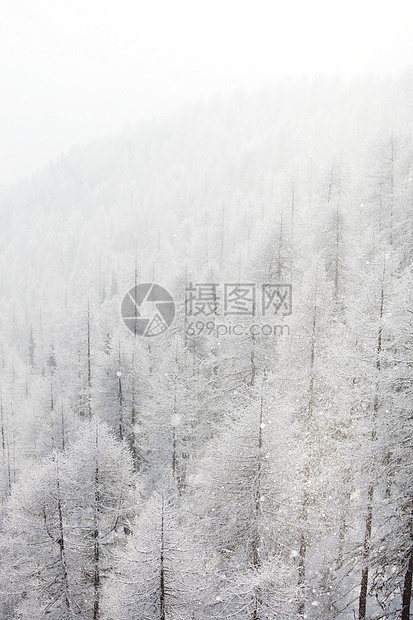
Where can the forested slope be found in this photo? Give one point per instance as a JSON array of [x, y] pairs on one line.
[[206, 472]]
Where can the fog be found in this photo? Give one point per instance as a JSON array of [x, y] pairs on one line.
[[70, 73]]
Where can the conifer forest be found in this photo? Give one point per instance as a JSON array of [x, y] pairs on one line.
[[245, 453]]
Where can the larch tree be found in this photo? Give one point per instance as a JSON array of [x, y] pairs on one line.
[[157, 574], [63, 520], [239, 499]]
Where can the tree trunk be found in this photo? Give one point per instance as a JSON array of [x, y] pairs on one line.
[[370, 492], [256, 560], [120, 404], [61, 542], [252, 359], [407, 586], [303, 549], [89, 366], [96, 544], [366, 550], [5, 449], [307, 474], [162, 595], [407, 589]]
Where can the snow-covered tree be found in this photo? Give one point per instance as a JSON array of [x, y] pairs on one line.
[[63, 520]]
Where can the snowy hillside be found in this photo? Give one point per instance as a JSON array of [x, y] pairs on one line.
[[253, 460]]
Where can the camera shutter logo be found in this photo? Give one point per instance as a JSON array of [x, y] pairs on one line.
[[148, 309]]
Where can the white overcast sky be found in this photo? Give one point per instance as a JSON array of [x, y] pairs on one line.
[[77, 70]]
